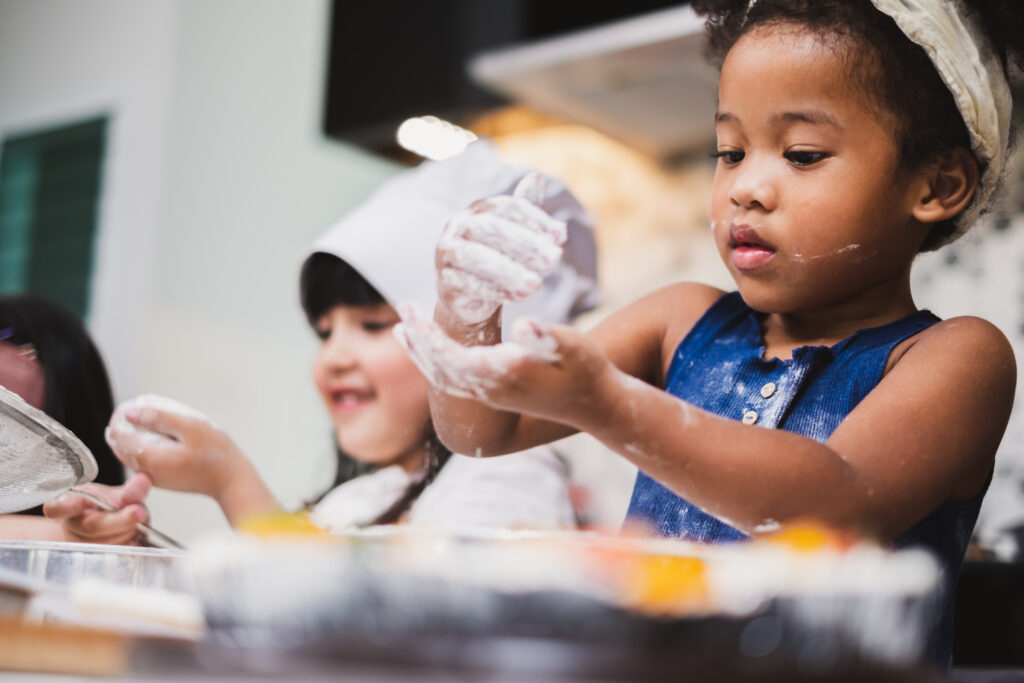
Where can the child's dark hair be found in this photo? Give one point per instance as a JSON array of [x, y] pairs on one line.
[[929, 125], [77, 388], [325, 282]]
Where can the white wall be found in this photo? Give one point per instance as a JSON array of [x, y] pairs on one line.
[[217, 179], [61, 62], [983, 275], [250, 182]]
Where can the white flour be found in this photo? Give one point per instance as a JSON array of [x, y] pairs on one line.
[[119, 422], [499, 250], [468, 372]]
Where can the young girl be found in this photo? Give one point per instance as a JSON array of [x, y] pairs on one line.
[[852, 134], [380, 253]]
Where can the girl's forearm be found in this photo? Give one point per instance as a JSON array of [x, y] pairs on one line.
[[464, 425], [720, 465], [245, 494], [470, 427]]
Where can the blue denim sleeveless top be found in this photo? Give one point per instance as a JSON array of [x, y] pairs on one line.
[[719, 366]]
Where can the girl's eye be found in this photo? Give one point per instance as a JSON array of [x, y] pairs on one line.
[[729, 156], [799, 158], [323, 333], [377, 325]]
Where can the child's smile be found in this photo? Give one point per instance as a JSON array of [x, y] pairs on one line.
[[807, 184], [348, 399], [376, 397]]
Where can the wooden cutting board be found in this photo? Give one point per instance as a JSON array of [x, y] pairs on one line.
[[60, 648]]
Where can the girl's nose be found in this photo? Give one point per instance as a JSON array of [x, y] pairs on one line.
[[338, 354], [752, 187]]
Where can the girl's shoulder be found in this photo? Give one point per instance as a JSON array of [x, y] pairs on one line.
[[687, 303], [951, 386], [675, 308], [965, 339], [640, 337]]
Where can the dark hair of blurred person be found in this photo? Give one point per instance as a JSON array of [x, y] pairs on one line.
[[75, 387]]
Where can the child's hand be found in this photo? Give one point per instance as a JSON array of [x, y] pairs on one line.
[[497, 250], [177, 451], [549, 371], [82, 521]]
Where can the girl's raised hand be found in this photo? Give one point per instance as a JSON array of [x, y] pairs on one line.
[[177, 451], [497, 250], [549, 371], [82, 521]]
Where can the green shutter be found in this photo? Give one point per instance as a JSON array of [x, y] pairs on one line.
[[49, 200]]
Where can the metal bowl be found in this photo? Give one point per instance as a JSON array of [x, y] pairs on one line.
[[65, 563]]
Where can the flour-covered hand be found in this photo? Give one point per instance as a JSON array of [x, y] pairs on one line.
[[550, 371], [497, 250], [179, 449]]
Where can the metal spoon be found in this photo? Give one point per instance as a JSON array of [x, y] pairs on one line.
[[150, 536]]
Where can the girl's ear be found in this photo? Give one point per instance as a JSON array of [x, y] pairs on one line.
[[948, 188]]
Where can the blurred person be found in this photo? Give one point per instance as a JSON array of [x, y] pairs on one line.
[[48, 358]]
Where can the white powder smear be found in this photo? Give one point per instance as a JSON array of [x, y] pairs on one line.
[[850, 247], [499, 250], [532, 335], [467, 372], [767, 526], [512, 279]]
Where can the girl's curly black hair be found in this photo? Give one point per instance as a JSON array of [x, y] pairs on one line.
[[928, 123], [325, 282]]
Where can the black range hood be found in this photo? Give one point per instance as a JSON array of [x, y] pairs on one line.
[[389, 60]]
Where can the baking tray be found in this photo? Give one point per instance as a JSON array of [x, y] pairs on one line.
[[285, 610]]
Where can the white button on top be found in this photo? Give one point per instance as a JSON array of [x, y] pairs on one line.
[[749, 417], [768, 390]]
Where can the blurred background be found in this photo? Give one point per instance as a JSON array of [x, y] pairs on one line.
[[164, 166]]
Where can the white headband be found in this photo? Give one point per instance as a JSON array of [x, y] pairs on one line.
[[969, 67], [971, 70]]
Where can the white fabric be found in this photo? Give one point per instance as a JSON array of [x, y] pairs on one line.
[[119, 422], [391, 237], [527, 490], [971, 70], [359, 501]]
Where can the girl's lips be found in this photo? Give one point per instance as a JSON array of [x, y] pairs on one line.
[[750, 257], [749, 251]]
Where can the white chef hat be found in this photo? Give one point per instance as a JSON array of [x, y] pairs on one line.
[[390, 238]]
